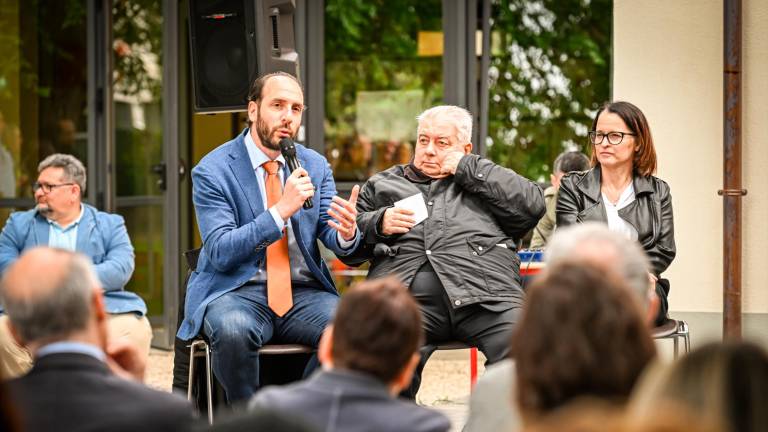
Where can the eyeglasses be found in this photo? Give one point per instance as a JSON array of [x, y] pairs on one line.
[[614, 138], [47, 188]]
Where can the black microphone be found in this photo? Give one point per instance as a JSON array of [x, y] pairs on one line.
[[288, 149]]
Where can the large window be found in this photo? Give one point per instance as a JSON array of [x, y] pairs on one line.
[[42, 91], [138, 134], [383, 66], [549, 72]]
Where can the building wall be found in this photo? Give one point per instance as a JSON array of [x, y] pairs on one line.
[[668, 59]]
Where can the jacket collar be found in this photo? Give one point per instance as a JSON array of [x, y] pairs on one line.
[[351, 380], [590, 184], [68, 362]]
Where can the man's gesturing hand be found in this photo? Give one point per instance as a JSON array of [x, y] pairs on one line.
[[397, 220], [345, 214], [298, 187]]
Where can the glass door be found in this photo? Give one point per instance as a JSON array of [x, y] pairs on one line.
[[43, 93], [139, 178]]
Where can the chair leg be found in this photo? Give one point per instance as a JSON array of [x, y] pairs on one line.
[[190, 383], [686, 336], [674, 340], [209, 383], [472, 368]]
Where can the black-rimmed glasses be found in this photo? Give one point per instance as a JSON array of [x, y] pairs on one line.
[[614, 138], [47, 188]]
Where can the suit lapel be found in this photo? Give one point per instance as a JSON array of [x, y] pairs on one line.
[[41, 230], [84, 232], [245, 175]]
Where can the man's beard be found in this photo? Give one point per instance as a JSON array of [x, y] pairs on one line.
[[44, 209], [264, 133]]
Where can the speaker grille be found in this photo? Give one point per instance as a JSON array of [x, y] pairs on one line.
[[223, 53]]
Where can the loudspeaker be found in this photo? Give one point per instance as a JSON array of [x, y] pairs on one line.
[[232, 42], [277, 46], [224, 53]]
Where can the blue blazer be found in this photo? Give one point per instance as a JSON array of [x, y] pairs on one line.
[[236, 227], [100, 236]]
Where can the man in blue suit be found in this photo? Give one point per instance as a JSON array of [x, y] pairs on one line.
[[260, 277], [61, 220]]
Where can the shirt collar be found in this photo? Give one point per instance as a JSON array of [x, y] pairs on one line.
[[72, 347], [256, 155], [70, 226]]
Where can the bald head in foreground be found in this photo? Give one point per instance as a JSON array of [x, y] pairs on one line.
[[56, 309]]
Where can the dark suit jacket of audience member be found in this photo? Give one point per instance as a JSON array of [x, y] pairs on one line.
[[254, 421], [342, 401], [76, 392]]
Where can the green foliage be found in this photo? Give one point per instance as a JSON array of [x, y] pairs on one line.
[[372, 45], [550, 70], [137, 50]]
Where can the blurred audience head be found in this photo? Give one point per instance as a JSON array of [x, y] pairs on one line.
[[581, 334], [594, 244], [724, 383], [53, 295], [567, 162], [376, 330], [594, 415]]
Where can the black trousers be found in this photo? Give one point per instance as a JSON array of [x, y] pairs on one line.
[[662, 290], [487, 326]]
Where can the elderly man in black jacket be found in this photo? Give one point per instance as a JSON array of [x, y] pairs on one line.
[[460, 262]]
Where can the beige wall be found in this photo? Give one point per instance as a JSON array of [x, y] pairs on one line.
[[668, 61], [755, 142]]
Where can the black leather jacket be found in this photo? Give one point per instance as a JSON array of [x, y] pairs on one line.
[[580, 200], [475, 218]]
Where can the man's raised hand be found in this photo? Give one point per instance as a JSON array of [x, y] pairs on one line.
[[344, 214]]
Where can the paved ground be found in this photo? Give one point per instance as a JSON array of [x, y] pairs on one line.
[[445, 384]]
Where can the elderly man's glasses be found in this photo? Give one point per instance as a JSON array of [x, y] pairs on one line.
[[47, 188], [614, 138]]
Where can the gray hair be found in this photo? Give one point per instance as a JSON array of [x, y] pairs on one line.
[[570, 161], [630, 261], [460, 118], [63, 310], [74, 170]]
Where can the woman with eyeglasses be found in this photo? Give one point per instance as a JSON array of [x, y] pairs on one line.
[[621, 191]]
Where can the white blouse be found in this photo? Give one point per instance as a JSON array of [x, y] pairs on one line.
[[615, 223]]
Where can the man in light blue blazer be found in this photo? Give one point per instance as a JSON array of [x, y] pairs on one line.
[[240, 297], [60, 219]]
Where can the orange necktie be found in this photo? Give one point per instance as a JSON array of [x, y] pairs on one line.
[[279, 296]]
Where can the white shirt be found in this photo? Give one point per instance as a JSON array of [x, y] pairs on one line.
[[64, 238], [616, 223]]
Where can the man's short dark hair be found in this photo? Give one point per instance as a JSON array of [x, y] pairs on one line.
[[570, 161], [582, 333], [254, 94], [377, 328]]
